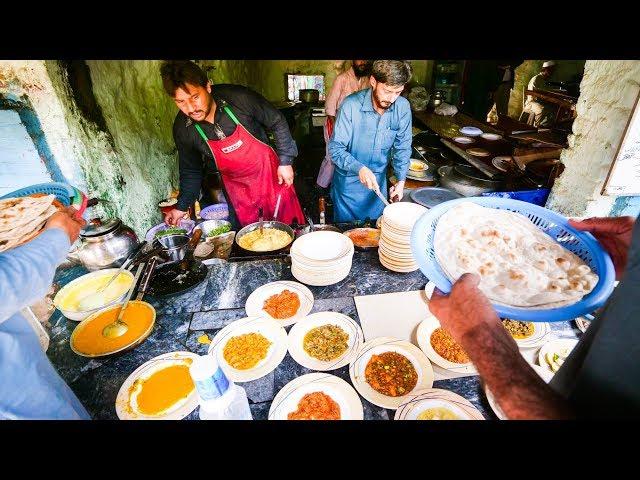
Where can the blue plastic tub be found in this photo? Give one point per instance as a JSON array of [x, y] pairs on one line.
[[583, 244], [537, 197]]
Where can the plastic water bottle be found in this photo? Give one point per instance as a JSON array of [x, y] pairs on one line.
[[220, 399]]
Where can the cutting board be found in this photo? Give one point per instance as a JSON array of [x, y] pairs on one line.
[[397, 315]]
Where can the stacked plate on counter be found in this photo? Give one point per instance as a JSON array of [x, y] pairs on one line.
[[321, 258], [394, 250]]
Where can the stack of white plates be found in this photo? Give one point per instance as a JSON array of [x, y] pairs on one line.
[[394, 249], [321, 258]]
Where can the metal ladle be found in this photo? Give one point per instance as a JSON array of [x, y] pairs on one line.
[[118, 328]]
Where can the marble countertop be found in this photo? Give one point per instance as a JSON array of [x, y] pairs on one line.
[[218, 301]]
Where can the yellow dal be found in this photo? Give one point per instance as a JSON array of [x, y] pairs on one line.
[[437, 413], [72, 298], [163, 389], [89, 340]]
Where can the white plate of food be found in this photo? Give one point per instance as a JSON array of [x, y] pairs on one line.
[[436, 404], [249, 348], [284, 301], [527, 334], [316, 396], [491, 136], [471, 131], [553, 353], [544, 374], [464, 140], [160, 389], [440, 347], [325, 341], [408, 370]]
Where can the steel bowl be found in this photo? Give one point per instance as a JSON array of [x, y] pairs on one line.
[[175, 246], [209, 225], [270, 224]]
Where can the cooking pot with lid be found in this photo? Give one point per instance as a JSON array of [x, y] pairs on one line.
[[104, 244], [467, 181]]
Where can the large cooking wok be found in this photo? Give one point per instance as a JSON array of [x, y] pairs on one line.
[[268, 224]]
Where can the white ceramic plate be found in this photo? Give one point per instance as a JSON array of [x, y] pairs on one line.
[[491, 136], [180, 409], [388, 344], [478, 152], [426, 398], [544, 374], [555, 346], [402, 215], [322, 246], [423, 335], [541, 333], [428, 289], [300, 329], [464, 140], [582, 324], [253, 305], [286, 401], [271, 329], [471, 131]]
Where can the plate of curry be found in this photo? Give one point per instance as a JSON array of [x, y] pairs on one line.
[[87, 339], [364, 238], [160, 389], [316, 396], [527, 334], [386, 370], [284, 301], [437, 404], [440, 347], [249, 348], [325, 341]]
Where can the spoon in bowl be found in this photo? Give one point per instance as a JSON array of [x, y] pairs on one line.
[[118, 327]]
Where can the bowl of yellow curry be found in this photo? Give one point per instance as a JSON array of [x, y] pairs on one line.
[[87, 339], [69, 300]]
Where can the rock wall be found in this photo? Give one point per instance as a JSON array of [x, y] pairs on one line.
[[608, 92]]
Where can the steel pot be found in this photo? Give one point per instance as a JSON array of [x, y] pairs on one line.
[[175, 246], [104, 244], [465, 181], [271, 224], [309, 95]]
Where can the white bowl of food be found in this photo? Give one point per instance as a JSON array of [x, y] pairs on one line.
[[70, 297]]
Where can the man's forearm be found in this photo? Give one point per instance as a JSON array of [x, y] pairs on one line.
[[517, 388]]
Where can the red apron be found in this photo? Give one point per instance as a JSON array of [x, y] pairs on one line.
[[249, 170]]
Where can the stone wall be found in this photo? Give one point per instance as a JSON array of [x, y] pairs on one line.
[[607, 95]]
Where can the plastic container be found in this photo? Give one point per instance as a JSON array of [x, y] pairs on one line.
[[537, 197], [218, 211], [583, 244], [220, 399], [63, 192]]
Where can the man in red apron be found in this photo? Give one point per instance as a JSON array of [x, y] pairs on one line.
[[227, 125]]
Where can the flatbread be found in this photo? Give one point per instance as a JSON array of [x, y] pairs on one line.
[[23, 219], [519, 265], [16, 212]]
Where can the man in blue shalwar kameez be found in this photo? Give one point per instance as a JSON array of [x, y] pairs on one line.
[[30, 388], [373, 127]]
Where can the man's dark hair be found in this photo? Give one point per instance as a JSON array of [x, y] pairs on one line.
[[177, 73], [392, 72]]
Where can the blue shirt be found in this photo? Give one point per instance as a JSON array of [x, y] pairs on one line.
[[30, 388], [363, 137]]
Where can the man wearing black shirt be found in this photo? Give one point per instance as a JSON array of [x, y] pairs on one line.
[[209, 120]]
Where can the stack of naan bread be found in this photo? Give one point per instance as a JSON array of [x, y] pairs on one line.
[[520, 265], [21, 219]]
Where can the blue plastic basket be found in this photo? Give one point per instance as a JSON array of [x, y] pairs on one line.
[[63, 192], [538, 196], [583, 244]]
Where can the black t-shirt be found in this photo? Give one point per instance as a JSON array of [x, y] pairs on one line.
[[252, 110], [601, 376]]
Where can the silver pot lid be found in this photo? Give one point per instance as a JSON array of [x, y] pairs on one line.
[[100, 227], [431, 196]]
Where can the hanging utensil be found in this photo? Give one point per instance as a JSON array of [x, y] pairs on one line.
[[261, 219], [195, 238], [118, 328]]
